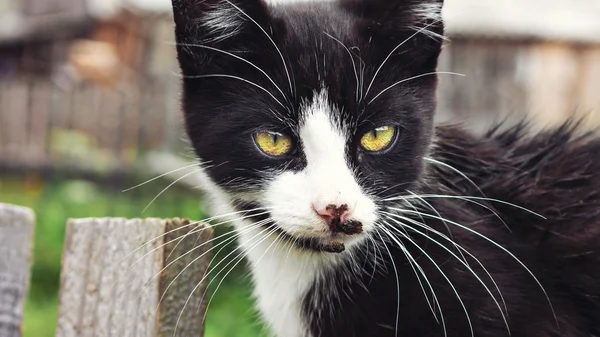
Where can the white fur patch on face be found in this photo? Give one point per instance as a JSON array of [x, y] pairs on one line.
[[223, 21], [326, 180], [283, 274], [427, 12]]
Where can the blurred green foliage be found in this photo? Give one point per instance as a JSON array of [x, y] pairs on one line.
[[57, 199]]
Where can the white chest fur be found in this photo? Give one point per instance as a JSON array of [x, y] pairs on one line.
[[282, 277]]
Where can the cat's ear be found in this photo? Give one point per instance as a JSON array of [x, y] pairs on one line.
[[222, 24], [417, 24], [395, 16]]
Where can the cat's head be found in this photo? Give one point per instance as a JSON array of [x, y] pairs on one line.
[[310, 113]]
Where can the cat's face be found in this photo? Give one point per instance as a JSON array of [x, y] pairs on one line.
[[312, 112]]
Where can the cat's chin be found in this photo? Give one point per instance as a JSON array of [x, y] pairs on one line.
[[334, 243]]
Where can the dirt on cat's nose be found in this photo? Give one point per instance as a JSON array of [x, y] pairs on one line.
[[338, 219]]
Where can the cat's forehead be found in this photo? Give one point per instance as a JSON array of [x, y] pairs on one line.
[[323, 55]]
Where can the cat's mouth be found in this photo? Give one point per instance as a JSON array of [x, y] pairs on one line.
[[333, 243]]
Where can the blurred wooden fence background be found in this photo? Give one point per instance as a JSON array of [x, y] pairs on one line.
[[138, 278], [100, 91], [90, 128]]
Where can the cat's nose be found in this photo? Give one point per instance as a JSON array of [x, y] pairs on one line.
[[334, 215]]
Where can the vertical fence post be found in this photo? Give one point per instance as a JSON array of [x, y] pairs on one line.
[[16, 241], [112, 278]]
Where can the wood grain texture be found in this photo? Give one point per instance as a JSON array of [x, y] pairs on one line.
[[111, 281], [16, 241]]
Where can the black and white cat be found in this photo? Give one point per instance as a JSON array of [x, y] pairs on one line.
[[358, 217]]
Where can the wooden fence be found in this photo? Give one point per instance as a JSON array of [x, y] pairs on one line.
[[119, 277], [85, 127]]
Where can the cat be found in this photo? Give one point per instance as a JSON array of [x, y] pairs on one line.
[[313, 124]]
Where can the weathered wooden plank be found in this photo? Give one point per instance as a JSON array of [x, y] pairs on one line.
[[16, 241], [111, 282]]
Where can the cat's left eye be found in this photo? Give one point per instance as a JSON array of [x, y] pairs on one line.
[[274, 144], [378, 139]]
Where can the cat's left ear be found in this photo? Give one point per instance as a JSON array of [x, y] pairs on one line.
[[222, 24], [417, 24]]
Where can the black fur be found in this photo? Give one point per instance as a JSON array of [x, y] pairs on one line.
[[554, 174]]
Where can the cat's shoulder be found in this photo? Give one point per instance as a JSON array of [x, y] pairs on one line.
[[555, 173], [559, 159]]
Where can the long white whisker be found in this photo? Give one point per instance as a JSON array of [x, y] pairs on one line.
[[434, 161], [287, 72], [223, 243], [473, 202], [443, 236], [375, 261], [241, 59], [353, 64], [413, 263], [412, 78], [463, 197], [181, 238], [240, 79], [445, 277], [461, 262], [392, 53], [233, 267], [169, 186], [202, 280], [495, 244], [438, 213], [397, 282], [160, 176], [189, 225], [196, 230], [236, 235]]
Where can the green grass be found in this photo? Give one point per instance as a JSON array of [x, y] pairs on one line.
[[56, 200]]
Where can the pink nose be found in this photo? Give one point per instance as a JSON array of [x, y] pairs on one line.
[[334, 215]]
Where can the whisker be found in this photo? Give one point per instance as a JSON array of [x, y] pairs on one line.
[[393, 51], [353, 64], [412, 78], [497, 245], [202, 280], [239, 79], [270, 39], [397, 282], [185, 226], [474, 202], [160, 176], [223, 243], [194, 231], [169, 186], [239, 58], [376, 250], [422, 225], [414, 263], [244, 217], [463, 197], [448, 166], [444, 276], [233, 267], [438, 213], [464, 264]]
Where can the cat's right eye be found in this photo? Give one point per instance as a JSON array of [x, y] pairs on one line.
[[379, 139], [274, 144]]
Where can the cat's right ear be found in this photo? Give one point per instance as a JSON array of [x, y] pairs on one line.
[[222, 24]]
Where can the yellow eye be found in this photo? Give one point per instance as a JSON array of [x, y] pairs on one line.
[[378, 139], [274, 143]]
